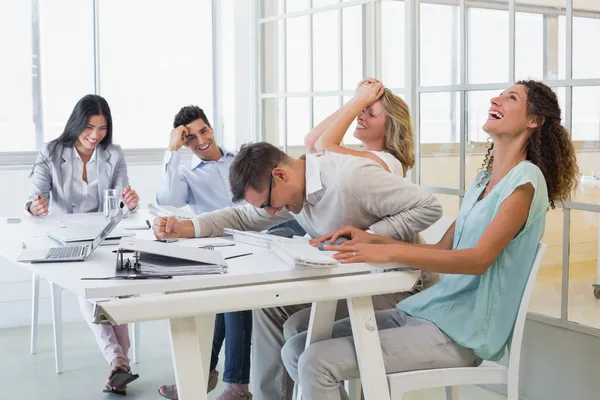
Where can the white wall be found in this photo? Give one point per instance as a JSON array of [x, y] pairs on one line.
[[15, 283]]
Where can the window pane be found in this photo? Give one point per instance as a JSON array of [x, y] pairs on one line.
[[488, 45], [323, 107], [439, 139], [321, 3], [271, 8], [16, 107], [67, 75], [349, 138], [586, 114], [298, 122], [586, 139], [297, 50], [450, 204], [294, 5], [272, 121], [440, 38], [392, 44], [529, 46], [586, 52], [326, 51], [583, 267], [478, 105], [546, 297], [231, 136], [152, 64], [270, 49], [352, 52]]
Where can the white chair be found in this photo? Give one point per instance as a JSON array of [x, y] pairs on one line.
[[56, 296], [488, 372]]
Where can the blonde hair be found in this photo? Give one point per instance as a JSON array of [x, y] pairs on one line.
[[399, 140]]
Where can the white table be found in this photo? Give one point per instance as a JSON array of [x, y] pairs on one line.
[[191, 302]]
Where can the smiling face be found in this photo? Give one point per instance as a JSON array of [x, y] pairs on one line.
[[201, 141], [370, 123], [508, 115], [285, 194], [93, 133]]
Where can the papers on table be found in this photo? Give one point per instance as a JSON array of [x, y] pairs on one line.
[[154, 264]]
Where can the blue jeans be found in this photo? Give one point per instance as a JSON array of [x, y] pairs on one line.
[[236, 329]]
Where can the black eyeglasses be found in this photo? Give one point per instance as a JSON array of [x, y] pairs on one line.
[[268, 203]]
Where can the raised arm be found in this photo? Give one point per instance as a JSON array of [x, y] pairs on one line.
[[314, 136], [173, 189], [331, 139]]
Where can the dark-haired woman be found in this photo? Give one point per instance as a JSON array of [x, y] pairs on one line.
[[70, 175], [485, 256]]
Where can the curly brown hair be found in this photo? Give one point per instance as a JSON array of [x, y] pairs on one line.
[[549, 146]]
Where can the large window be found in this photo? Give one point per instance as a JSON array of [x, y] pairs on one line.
[[147, 58], [447, 59]]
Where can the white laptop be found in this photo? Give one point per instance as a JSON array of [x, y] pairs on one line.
[[71, 253]]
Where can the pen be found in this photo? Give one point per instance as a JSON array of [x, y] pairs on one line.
[[238, 255]]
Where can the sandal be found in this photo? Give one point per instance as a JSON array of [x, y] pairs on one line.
[[120, 377], [239, 393], [170, 391]]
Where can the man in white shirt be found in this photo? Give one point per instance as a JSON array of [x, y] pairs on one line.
[[323, 193]]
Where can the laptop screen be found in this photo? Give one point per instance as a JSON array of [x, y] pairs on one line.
[[109, 227]]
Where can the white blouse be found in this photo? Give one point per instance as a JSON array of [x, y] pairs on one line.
[[393, 164], [85, 195]]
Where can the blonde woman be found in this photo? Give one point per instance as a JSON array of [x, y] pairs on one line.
[[383, 126]]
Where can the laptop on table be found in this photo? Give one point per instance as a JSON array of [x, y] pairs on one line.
[[71, 253]]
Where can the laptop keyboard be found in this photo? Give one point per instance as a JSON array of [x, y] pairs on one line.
[[65, 252]]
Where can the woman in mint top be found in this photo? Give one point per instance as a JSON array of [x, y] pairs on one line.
[[485, 256]]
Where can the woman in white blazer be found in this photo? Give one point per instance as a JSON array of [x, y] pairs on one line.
[[69, 176]]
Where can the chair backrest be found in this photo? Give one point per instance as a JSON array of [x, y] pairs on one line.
[[517, 336]]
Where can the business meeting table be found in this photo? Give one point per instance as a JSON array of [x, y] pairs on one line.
[[190, 303]]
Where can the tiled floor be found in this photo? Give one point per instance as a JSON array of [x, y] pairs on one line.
[[29, 377]]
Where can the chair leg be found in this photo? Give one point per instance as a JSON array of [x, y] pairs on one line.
[[354, 389], [136, 342], [35, 302], [56, 292]]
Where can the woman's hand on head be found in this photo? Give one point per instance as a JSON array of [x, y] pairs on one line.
[[366, 80], [38, 207], [130, 197], [368, 93]]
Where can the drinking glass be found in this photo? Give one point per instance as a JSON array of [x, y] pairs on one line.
[[111, 203]]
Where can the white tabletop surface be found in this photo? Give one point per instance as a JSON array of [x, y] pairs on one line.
[[260, 267]]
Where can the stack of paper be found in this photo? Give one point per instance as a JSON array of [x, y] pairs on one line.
[[154, 264]]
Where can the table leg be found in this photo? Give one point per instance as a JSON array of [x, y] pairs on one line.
[[368, 349], [191, 348], [320, 326], [56, 294]]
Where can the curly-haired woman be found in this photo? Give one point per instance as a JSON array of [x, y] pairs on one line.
[[485, 256]]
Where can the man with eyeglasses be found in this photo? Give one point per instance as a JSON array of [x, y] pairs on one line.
[[322, 192]]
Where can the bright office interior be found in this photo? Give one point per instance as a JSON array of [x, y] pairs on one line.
[[272, 69]]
